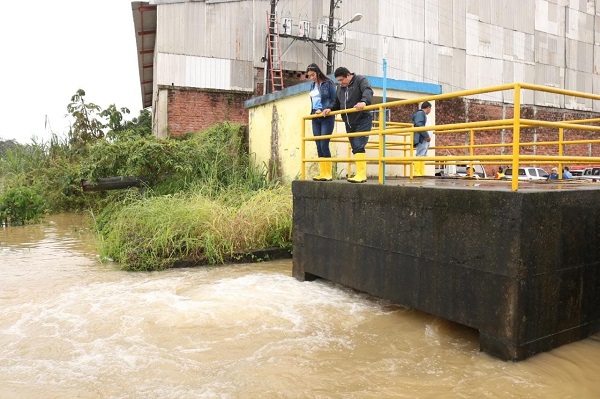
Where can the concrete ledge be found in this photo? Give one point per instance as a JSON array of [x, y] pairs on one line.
[[521, 267]]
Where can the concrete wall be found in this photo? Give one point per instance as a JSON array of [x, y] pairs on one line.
[[521, 267]]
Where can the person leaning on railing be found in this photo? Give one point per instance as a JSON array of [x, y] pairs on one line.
[[322, 95], [354, 91]]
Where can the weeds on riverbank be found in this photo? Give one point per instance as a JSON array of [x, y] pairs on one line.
[[154, 233], [205, 199], [207, 203]]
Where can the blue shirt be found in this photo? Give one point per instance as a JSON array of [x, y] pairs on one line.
[[315, 98]]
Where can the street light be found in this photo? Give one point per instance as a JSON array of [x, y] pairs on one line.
[[356, 17], [331, 44]]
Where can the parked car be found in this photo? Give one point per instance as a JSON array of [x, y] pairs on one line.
[[460, 169], [591, 173], [527, 173]]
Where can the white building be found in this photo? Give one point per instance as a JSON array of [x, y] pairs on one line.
[[217, 47]]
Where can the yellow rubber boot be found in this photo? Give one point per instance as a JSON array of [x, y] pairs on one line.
[[320, 175], [361, 169], [418, 168], [422, 168], [325, 172]]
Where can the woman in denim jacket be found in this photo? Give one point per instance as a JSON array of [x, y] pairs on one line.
[[322, 95]]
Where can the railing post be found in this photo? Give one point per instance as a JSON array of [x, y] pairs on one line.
[[382, 146], [303, 151], [516, 138], [561, 133], [471, 142]]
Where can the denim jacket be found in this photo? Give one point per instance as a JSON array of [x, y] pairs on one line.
[[327, 93]]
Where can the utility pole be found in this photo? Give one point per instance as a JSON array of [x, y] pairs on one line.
[[330, 43]]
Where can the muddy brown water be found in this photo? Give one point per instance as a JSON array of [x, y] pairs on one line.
[[71, 327]]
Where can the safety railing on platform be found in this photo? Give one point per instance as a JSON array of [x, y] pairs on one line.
[[393, 140]]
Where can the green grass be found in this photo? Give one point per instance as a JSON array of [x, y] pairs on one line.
[[206, 199], [154, 233]]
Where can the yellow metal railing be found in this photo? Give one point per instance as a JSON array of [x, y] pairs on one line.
[[397, 137]]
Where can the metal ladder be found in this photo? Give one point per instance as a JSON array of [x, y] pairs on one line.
[[274, 47]]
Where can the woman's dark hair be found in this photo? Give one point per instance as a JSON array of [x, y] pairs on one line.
[[320, 75]]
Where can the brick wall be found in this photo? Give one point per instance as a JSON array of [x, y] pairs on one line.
[[459, 110], [192, 110]]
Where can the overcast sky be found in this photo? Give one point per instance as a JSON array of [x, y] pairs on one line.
[[50, 49]]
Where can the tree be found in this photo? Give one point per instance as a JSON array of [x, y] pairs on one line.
[[86, 126], [115, 117], [92, 123], [137, 127]]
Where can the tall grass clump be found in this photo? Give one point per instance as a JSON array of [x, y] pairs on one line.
[[206, 202], [46, 171], [154, 233]]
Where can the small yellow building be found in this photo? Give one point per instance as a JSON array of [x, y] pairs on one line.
[[275, 127]]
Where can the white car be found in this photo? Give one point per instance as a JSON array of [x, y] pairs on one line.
[[527, 173], [591, 174], [460, 169]]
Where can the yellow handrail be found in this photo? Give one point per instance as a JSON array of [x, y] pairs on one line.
[[397, 136]]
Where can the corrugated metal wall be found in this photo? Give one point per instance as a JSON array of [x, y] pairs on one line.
[[459, 44]]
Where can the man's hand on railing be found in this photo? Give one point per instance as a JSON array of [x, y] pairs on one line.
[[326, 111], [360, 105]]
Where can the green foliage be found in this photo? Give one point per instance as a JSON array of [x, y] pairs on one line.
[[115, 117], [204, 198], [91, 123], [215, 158], [153, 233], [136, 127], [19, 159], [86, 127], [5, 145], [20, 205]]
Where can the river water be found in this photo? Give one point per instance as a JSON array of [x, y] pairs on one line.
[[71, 327]]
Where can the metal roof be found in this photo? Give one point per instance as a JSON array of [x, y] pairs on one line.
[[144, 20]]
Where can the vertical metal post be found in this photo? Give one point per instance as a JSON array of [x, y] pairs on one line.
[[516, 138], [383, 110], [561, 137], [303, 150]]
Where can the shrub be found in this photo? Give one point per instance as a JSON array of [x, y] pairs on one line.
[[20, 205]]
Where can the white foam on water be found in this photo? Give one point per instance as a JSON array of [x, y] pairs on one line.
[[238, 331]]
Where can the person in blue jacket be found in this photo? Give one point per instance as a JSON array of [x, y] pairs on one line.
[[421, 139], [322, 95], [553, 174]]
